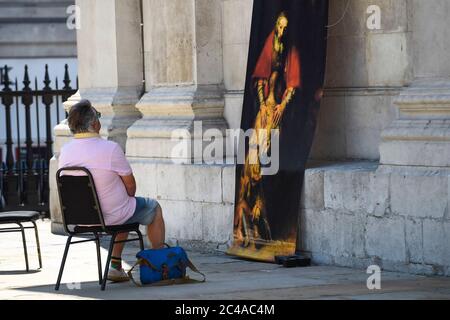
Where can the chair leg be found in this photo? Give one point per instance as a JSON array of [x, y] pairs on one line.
[[38, 244], [99, 259], [108, 260], [141, 240], [24, 242], [63, 262]]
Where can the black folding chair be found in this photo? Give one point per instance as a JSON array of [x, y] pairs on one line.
[[19, 218], [82, 215]]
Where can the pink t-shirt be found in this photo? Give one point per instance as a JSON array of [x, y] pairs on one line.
[[106, 161]]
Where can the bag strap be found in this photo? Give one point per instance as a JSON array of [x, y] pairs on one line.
[[194, 268], [184, 280], [130, 275]]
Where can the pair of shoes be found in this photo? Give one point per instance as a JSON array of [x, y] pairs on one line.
[[116, 275]]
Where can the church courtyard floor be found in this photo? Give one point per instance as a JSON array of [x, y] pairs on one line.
[[227, 278]]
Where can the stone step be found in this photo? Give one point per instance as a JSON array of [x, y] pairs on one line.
[[36, 33], [33, 11]]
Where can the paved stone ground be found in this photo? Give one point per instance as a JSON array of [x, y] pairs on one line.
[[227, 277]]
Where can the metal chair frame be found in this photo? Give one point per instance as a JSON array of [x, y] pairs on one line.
[[21, 228], [97, 231]]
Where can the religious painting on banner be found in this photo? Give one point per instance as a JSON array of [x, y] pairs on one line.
[[285, 75]]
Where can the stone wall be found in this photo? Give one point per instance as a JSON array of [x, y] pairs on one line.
[[197, 200], [387, 96], [359, 214], [365, 69]]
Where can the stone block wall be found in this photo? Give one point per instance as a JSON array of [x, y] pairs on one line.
[[359, 214], [198, 200]]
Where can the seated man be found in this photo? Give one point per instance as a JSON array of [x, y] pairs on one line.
[[114, 181]]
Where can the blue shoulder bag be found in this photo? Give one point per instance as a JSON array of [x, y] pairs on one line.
[[164, 267]]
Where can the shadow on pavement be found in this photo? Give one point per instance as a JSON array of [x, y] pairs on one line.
[[18, 272]]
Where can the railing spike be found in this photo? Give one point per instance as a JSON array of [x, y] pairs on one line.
[[47, 77], [66, 80], [6, 79], [26, 79]]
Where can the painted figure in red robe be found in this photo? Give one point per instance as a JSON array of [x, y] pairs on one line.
[[277, 77]]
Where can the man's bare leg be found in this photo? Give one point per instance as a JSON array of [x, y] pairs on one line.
[[156, 231], [118, 247], [116, 272]]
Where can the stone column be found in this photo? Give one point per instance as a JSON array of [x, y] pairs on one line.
[[415, 148], [420, 136], [184, 84], [110, 70], [236, 20]]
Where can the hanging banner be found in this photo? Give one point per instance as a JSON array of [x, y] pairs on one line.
[[285, 74]]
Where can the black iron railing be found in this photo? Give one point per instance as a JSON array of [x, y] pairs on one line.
[[24, 181]]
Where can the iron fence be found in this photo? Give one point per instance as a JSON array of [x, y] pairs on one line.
[[24, 180]]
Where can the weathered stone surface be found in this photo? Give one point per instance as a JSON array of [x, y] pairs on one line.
[[233, 109], [169, 61], [313, 189], [217, 220], [319, 231], [425, 35], [385, 238], [367, 115], [350, 123], [236, 62], [404, 143], [330, 142], [229, 184], [183, 219], [237, 17], [388, 59], [236, 24], [436, 242], [198, 183], [414, 240], [346, 64], [350, 233], [419, 194], [356, 187], [332, 234], [190, 182], [357, 228], [146, 177], [394, 17]]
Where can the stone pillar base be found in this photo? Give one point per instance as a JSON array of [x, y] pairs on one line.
[[169, 111], [421, 134]]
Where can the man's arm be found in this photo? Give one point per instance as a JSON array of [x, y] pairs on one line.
[[130, 184]]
